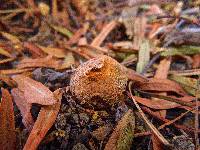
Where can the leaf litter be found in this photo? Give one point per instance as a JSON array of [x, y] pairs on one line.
[[43, 44]]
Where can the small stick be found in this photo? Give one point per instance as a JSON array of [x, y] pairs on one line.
[[197, 117], [151, 126]]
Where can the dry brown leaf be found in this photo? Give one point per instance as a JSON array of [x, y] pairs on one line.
[[8, 80], [122, 136], [104, 33], [34, 91], [77, 35], [53, 51], [3, 61], [150, 125], [163, 69], [156, 103], [81, 6], [24, 108], [196, 61], [5, 53], [14, 71], [48, 62], [45, 120], [7, 122], [139, 31], [161, 103], [33, 49], [161, 85], [134, 76], [162, 73], [68, 61], [157, 145], [14, 39]]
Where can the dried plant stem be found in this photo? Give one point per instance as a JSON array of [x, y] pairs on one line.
[[197, 117], [151, 126], [170, 122]]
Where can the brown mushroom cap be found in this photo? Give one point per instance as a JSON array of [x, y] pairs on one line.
[[101, 77]]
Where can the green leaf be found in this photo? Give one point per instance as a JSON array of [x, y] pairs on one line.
[[62, 30], [144, 56], [188, 84], [183, 50]]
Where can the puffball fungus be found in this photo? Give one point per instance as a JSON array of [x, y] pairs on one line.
[[99, 78]]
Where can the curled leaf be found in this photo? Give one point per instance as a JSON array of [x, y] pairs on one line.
[[45, 120], [34, 92], [24, 108]]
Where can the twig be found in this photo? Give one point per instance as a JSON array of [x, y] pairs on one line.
[[197, 116], [151, 126], [164, 125], [192, 130]]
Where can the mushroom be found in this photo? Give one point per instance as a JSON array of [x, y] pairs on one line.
[[101, 78]]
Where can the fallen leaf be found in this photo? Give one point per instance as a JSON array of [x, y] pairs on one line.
[[8, 80], [122, 136], [24, 108], [196, 61], [33, 49], [57, 52], [54, 9], [7, 125], [45, 120], [163, 69], [68, 61], [14, 71], [161, 85], [14, 39], [150, 125], [77, 35], [48, 62], [183, 50], [144, 56], [62, 30], [104, 33], [5, 53], [156, 103], [157, 145], [134, 76], [6, 60], [139, 31], [162, 73], [189, 84], [34, 91]]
